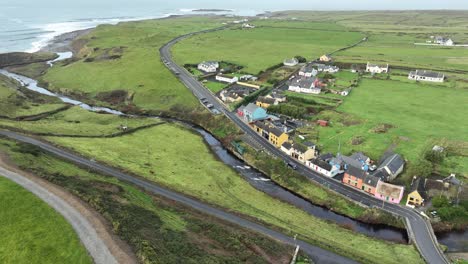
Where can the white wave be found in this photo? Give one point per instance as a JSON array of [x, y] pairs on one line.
[[56, 29]]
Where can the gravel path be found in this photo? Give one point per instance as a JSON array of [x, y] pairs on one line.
[[85, 230]]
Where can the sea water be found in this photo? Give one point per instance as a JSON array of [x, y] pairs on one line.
[[28, 25]]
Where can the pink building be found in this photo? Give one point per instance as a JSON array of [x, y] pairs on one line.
[[389, 192]]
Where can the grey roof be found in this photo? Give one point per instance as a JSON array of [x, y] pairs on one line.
[[309, 144], [381, 173], [371, 180], [322, 164], [419, 185], [251, 108], [350, 161], [262, 125], [393, 163], [275, 131], [452, 180], [356, 172], [300, 147], [287, 145], [307, 68], [428, 74], [265, 100], [303, 82], [326, 156], [359, 156]]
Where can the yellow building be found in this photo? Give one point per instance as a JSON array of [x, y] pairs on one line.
[[417, 193], [326, 58], [264, 102], [277, 137]]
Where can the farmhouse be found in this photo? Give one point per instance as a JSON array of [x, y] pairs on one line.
[[428, 76], [305, 85], [417, 193], [290, 62], [308, 71], [326, 58], [389, 192], [208, 66], [443, 41], [374, 68], [252, 113], [226, 78]]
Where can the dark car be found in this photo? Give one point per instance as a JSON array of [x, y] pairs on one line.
[[292, 165]]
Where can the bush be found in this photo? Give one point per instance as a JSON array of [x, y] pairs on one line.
[[28, 149], [441, 201], [289, 110], [301, 59]]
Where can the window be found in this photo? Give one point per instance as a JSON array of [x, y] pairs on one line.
[[411, 199]]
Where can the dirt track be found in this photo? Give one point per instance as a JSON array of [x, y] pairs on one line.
[[102, 245]]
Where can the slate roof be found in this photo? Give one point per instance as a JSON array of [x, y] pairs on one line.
[[251, 108], [303, 82], [322, 164], [429, 74], [419, 185], [287, 145], [381, 174], [262, 125], [300, 147], [435, 185], [393, 163], [309, 144], [307, 68], [359, 156], [371, 180], [350, 161], [275, 131], [265, 100], [356, 172], [326, 156]]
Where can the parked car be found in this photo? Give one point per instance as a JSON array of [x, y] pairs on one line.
[[292, 165]]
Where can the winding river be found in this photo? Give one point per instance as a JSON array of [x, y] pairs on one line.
[[456, 242]]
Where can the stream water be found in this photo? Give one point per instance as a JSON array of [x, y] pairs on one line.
[[455, 241]]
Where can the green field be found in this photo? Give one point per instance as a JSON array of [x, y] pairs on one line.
[[138, 71], [262, 47], [214, 86], [77, 121], [32, 232], [15, 103], [178, 159], [157, 230], [420, 115]]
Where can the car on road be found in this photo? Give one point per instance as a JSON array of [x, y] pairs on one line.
[[210, 105], [292, 165]]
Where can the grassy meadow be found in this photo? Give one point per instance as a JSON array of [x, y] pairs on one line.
[[15, 103], [33, 232], [418, 114], [77, 121], [180, 160], [260, 48], [138, 70], [157, 230]]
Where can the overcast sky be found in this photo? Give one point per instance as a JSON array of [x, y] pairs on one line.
[[257, 4]]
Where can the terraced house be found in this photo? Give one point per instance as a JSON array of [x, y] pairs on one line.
[[273, 134]]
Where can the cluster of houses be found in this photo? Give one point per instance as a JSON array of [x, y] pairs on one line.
[[306, 80], [423, 189]]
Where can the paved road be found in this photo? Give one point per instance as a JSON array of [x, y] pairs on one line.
[[85, 230], [319, 255], [419, 228]]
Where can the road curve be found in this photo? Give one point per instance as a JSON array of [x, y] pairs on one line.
[[421, 230], [319, 255], [85, 230]]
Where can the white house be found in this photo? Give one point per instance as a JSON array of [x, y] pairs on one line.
[[428, 76], [247, 25], [208, 66], [226, 78], [322, 167], [308, 71], [290, 62], [443, 41], [304, 85], [374, 68]]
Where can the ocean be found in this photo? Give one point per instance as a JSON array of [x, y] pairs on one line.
[[28, 25]]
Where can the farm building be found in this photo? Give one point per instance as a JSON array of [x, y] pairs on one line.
[[290, 62], [374, 68], [208, 66], [226, 78], [428, 76]]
